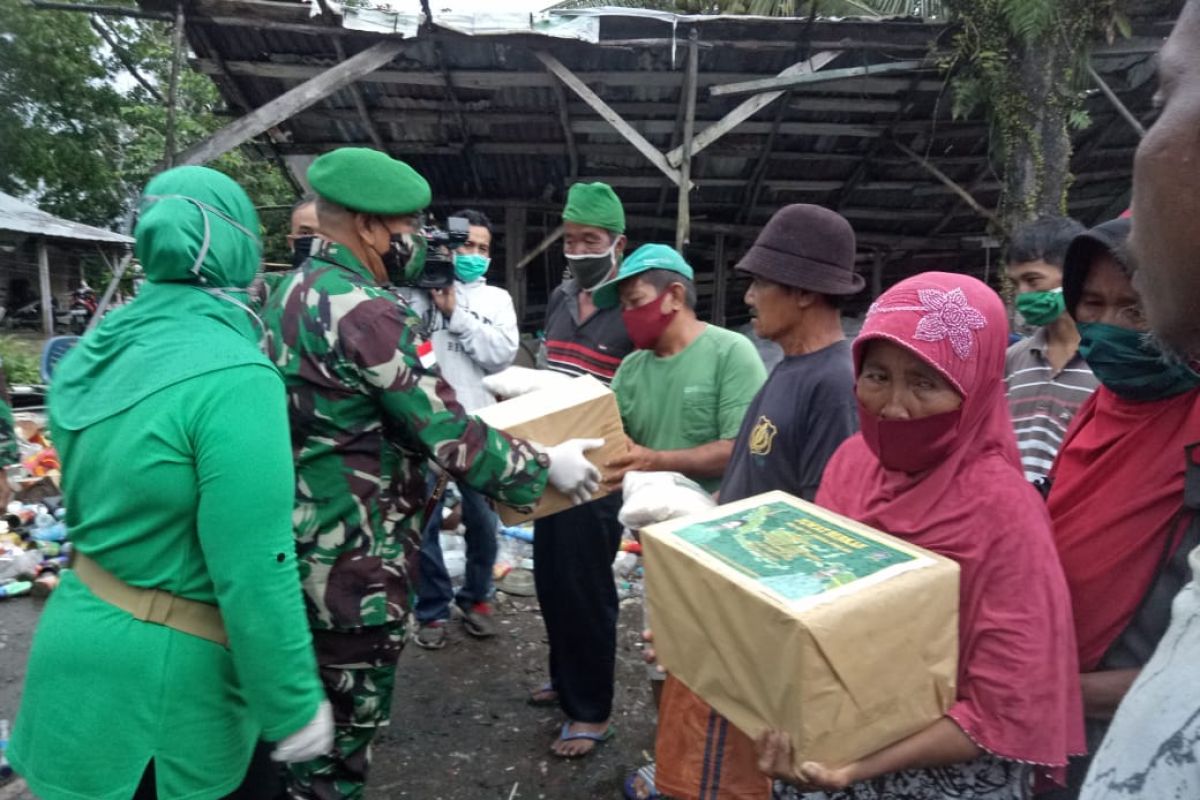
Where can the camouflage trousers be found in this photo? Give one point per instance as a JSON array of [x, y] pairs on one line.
[[359, 673]]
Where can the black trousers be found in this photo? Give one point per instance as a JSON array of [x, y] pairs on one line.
[[573, 553], [263, 779]]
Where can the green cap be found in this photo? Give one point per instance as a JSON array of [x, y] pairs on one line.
[[366, 180], [595, 204], [644, 259]]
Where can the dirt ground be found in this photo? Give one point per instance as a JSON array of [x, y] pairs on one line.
[[461, 729]]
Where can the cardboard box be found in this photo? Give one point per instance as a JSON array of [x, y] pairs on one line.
[[584, 409], [782, 615]]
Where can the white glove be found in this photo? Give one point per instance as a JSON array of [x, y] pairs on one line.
[[516, 381], [314, 739], [571, 473]]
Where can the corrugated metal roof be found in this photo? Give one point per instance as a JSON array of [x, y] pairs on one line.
[[21, 217], [493, 136]]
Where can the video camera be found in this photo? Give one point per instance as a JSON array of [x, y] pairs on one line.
[[438, 271]]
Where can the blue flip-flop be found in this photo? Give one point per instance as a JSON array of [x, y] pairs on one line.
[[646, 773], [545, 702], [599, 738]]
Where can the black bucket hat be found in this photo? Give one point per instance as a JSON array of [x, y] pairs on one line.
[[807, 247]]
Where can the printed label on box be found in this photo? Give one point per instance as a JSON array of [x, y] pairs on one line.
[[793, 553]]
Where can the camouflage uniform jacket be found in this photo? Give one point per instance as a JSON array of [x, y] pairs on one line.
[[365, 418]]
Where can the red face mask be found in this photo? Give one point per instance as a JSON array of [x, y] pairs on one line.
[[646, 323], [910, 445]]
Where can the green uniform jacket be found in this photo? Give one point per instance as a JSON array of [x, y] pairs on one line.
[[366, 416], [10, 450], [187, 491]]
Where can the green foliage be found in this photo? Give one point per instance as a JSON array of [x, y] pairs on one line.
[[21, 363], [83, 120], [985, 57]]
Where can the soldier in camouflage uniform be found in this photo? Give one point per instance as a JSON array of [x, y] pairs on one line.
[[367, 411]]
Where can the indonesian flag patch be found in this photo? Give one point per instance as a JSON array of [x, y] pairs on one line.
[[425, 354]]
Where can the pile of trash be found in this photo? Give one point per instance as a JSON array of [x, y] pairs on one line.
[[33, 548], [34, 545]]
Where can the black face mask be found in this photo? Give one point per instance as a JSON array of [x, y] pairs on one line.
[[301, 249], [590, 270]]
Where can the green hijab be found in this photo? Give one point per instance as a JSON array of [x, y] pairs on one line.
[[197, 241]]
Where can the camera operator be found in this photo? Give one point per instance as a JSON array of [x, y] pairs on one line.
[[473, 327]]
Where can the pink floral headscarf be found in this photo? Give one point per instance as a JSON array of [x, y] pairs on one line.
[[1018, 691]]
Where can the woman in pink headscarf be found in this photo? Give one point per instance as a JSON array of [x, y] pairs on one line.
[[936, 464]]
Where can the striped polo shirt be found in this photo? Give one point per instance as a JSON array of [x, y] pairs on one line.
[[594, 347], [1042, 401]]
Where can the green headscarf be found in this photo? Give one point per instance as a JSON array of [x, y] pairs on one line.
[[595, 204], [197, 241]]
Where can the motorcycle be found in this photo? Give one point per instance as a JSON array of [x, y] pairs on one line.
[[83, 307]]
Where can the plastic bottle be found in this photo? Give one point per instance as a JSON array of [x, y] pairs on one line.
[[15, 589], [5, 768]]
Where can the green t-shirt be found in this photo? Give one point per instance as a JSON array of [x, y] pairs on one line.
[[697, 396]]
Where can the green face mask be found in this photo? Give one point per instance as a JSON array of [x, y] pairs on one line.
[[470, 267], [1041, 308], [1131, 367]]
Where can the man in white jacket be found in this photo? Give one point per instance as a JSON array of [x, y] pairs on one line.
[[473, 327]]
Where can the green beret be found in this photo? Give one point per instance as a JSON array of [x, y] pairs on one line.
[[366, 180], [595, 204]]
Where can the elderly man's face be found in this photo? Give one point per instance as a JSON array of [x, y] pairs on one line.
[[1166, 195]]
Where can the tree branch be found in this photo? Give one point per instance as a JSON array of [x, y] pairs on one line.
[[126, 61]]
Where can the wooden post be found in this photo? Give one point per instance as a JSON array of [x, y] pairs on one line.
[[292, 102], [684, 215], [173, 87], [514, 246], [877, 265], [720, 287], [43, 254], [564, 118]]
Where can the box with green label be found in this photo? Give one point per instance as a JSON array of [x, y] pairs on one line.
[[782, 615]]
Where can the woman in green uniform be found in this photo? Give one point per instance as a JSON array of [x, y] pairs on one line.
[[179, 638]]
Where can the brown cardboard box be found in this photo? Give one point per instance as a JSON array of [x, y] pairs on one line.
[[584, 409], [782, 615]]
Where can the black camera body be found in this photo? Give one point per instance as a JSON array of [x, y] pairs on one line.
[[438, 272]]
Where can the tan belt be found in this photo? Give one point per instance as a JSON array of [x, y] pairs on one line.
[[151, 605]]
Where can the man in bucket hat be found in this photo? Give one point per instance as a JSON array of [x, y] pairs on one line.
[[801, 268]]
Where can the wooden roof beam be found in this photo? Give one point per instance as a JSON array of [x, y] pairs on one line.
[[360, 103], [795, 81], [975, 205], [1122, 109], [580, 88], [506, 79], [292, 102], [749, 108]]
